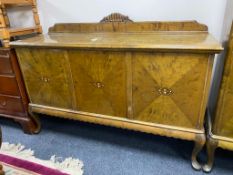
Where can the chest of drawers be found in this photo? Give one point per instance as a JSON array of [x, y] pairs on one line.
[[1, 167], [152, 77], [13, 98]]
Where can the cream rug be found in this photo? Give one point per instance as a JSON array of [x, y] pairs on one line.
[[17, 160]]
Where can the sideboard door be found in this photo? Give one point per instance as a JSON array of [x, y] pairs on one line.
[[46, 76], [99, 81], [169, 88]]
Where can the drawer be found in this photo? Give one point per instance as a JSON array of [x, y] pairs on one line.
[[8, 85], [11, 104], [5, 64], [4, 53]]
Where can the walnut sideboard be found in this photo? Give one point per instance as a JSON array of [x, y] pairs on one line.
[[220, 125], [152, 77]]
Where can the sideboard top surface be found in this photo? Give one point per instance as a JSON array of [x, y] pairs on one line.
[[158, 40]]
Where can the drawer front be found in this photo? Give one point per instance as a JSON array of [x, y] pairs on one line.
[[46, 76], [4, 53], [10, 105], [8, 85], [169, 88], [99, 82], [5, 64]]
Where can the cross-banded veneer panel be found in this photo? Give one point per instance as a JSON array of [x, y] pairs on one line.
[[99, 79], [168, 88], [47, 76]]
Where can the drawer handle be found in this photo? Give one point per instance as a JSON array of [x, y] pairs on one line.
[[97, 84], [165, 91], [3, 103]]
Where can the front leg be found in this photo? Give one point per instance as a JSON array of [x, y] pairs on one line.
[[31, 123], [1, 170], [199, 143], [211, 146]]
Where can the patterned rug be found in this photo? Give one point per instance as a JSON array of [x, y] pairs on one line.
[[17, 160]]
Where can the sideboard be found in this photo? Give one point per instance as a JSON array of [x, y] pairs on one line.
[[152, 77], [220, 124]]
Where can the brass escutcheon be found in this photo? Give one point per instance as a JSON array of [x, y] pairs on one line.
[[98, 84], [165, 91], [45, 79]]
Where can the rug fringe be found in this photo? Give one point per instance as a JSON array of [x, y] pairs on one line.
[[69, 165], [16, 150]]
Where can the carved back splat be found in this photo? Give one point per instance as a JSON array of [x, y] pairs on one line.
[[116, 17]]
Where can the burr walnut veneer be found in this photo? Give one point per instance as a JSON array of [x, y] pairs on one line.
[[13, 97], [220, 125], [151, 76]]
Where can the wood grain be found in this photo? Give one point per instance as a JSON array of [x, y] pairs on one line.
[[13, 97], [1, 167], [183, 74], [99, 81], [164, 130], [197, 42], [126, 25], [47, 79], [223, 121]]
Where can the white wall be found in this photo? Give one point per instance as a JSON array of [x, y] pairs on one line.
[[219, 62], [209, 12]]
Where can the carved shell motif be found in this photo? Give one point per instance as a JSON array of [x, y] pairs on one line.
[[116, 17]]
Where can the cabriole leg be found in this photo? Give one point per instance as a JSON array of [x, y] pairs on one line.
[[199, 143], [211, 146]]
